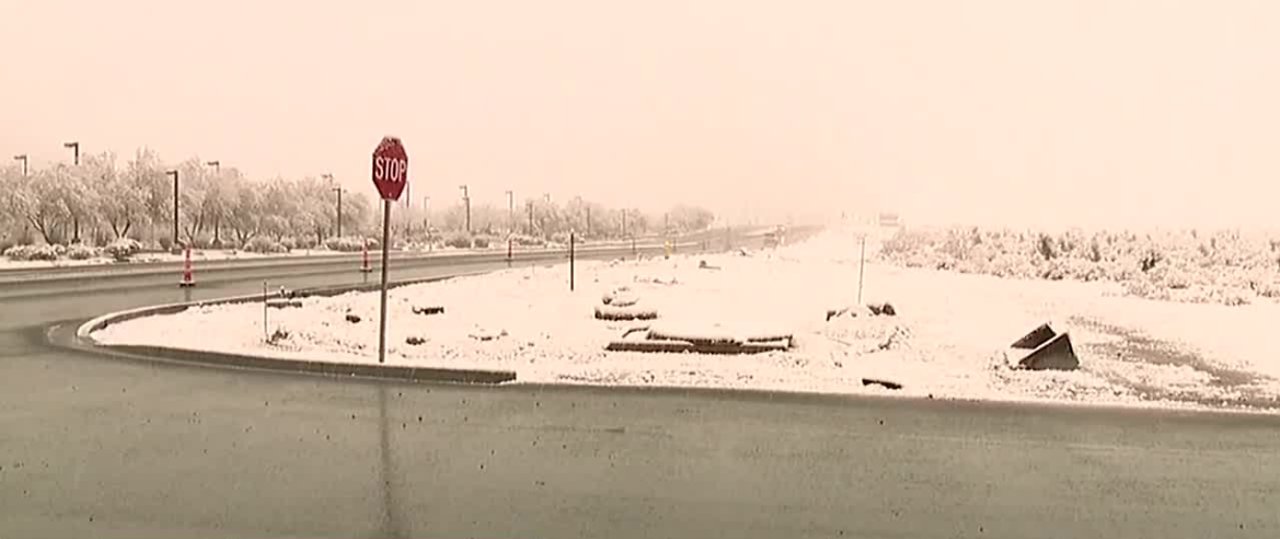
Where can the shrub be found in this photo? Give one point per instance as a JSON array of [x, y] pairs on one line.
[[291, 243], [30, 252], [165, 242], [123, 248], [526, 241], [460, 240], [81, 252], [263, 244], [480, 242], [345, 244]]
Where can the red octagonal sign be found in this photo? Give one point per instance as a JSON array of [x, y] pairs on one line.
[[390, 168]]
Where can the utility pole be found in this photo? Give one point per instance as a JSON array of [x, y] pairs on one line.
[[624, 222], [23, 158], [466, 200], [174, 173]]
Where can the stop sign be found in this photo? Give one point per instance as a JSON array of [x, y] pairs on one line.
[[390, 168]]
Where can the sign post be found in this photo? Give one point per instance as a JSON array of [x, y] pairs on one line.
[[390, 176], [862, 265]]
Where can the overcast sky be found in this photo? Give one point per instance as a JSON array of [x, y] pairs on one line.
[[1027, 112]]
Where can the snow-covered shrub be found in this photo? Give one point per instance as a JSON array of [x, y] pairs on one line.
[[346, 244], [31, 252], [263, 244], [290, 243], [526, 241], [480, 242], [459, 240], [81, 251], [123, 248]]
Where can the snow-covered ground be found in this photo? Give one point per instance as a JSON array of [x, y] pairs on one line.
[[948, 339], [197, 255]]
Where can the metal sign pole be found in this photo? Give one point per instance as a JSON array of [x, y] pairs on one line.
[[266, 336], [862, 264], [382, 324]]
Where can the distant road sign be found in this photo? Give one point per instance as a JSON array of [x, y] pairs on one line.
[[390, 168]]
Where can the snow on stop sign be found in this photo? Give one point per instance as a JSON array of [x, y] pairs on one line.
[[390, 168]]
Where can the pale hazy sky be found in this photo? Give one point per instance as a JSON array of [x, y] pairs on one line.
[[1107, 110]]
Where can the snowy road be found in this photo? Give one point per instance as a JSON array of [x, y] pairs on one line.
[[96, 447]]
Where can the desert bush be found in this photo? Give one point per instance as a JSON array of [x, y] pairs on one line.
[[346, 244], [122, 249], [1045, 247], [459, 240], [526, 241], [80, 251], [264, 244], [1149, 260], [31, 252]]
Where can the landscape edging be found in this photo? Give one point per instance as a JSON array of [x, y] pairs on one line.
[[84, 337]]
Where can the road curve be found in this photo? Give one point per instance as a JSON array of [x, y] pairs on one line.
[[92, 447]]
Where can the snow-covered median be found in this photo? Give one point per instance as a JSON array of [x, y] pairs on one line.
[[948, 338]]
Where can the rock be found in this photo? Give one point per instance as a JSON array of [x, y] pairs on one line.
[[885, 309], [1055, 354], [883, 383], [415, 341], [832, 313], [278, 335], [702, 264], [486, 336], [619, 297], [611, 312], [427, 311], [353, 318], [1035, 337]]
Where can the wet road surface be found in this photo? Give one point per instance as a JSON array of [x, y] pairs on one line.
[[96, 447]]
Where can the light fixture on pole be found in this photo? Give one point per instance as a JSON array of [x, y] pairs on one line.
[[75, 148], [23, 158]]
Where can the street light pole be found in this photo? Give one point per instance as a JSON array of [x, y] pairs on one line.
[[75, 147], [75, 217], [466, 200], [23, 158], [217, 217], [174, 173], [426, 219], [338, 190], [511, 213]]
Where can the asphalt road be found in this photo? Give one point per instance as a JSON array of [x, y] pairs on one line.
[[94, 447]]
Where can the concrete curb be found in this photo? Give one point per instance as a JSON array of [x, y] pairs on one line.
[[84, 340]]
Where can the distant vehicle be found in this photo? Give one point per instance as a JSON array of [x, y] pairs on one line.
[[773, 238]]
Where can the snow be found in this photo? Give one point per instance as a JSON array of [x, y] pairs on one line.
[[196, 255], [949, 339]]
